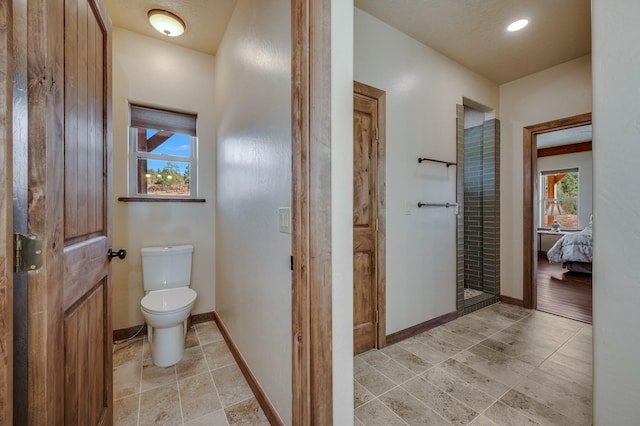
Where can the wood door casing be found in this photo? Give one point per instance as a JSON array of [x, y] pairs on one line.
[[6, 213], [69, 137], [368, 219]]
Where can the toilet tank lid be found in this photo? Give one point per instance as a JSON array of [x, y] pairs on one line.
[[160, 251]]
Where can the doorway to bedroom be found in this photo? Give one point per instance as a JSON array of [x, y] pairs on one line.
[[559, 189]]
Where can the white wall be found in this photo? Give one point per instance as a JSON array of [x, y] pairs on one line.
[[151, 72], [616, 228], [557, 92], [253, 107], [583, 161], [423, 88], [342, 208]]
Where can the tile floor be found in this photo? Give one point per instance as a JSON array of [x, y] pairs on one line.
[[205, 388], [502, 365]]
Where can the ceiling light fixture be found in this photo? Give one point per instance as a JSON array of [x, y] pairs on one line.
[[166, 22], [518, 25]]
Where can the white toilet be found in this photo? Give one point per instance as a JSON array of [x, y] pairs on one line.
[[168, 300]]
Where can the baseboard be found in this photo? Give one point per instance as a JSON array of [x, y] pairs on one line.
[[268, 409], [511, 300], [125, 333], [420, 328], [200, 318]]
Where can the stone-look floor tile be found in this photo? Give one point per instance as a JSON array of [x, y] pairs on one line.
[[573, 364], [475, 378], [208, 332], [160, 406], [449, 349], [231, 384], [394, 371], [212, 419], [217, 355], [535, 410], [509, 311], [442, 334], [360, 395], [440, 402], [459, 389], [146, 349], [583, 379], [578, 350], [503, 415], [375, 413], [374, 381], [125, 411], [529, 351], [407, 359], [127, 352], [247, 412], [192, 363], [191, 339], [493, 318], [198, 396], [571, 400], [374, 357], [482, 421], [509, 371], [474, 329], [357, 422], [126, 380], [423, 351], [410, 409], [154, 376]]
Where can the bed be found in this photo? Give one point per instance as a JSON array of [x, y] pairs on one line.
[[574, 251]]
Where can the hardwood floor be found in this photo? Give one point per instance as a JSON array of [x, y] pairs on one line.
[[564, 293]]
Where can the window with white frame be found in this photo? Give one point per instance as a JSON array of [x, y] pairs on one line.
[[162, 153], [559, 198]]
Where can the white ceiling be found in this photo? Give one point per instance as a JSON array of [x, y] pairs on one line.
[[206, 20], [471, 32], [565, 137]]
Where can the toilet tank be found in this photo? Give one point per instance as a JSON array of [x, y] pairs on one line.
[[166, 267]]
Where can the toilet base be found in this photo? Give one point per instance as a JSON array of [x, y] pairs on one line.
[[167, 344]]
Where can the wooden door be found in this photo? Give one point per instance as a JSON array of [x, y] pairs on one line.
[[69, 143], [366, 209]]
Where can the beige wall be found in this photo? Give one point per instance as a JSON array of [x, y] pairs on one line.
[[152, 72], [253, 104], [421, 122], [616, 226], [558, 92]]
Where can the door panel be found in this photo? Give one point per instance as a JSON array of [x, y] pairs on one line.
[[69, 175], [87, 285], [365, 193]]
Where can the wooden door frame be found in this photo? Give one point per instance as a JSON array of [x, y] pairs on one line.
[[312, 363], [6, 213], [530, 154], [381, 260]]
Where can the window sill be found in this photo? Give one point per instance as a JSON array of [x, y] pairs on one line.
[[161, 200]]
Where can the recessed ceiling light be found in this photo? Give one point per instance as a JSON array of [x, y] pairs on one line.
[[166, 22], [518, 25]]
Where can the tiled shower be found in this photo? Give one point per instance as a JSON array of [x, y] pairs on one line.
[[478, 194]]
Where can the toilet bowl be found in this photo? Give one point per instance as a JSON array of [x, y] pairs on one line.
[[166, 313], [168, 300]]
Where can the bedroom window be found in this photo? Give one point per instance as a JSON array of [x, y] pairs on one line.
[[162, 153], [559, 198]]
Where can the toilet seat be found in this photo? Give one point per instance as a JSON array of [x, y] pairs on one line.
[[169, 300]]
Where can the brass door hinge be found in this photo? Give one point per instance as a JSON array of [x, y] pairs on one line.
[[27, 252]]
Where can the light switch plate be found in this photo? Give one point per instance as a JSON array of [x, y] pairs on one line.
[[284, 219]]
